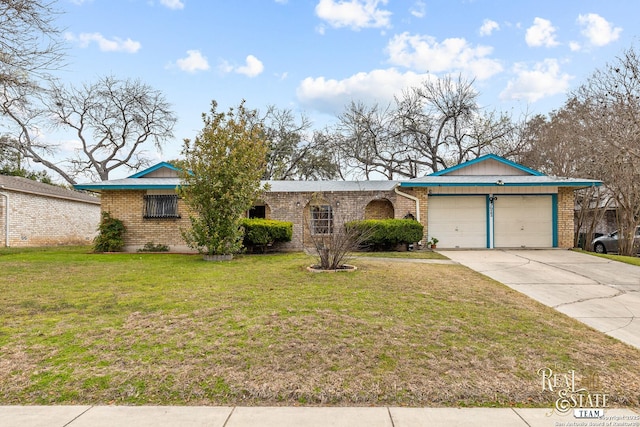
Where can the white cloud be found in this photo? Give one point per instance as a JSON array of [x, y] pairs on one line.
[[419, 10], [355, 14], [598, 30], [331, 95], [424, 53], [541, 33], [488, 27], [225, 67], [193, 62], [114, 45], [252, 68], [544, 79], [574, 46], [172, 4]]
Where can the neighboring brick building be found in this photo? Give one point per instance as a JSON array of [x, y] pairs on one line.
[[37, 214], [489, 202]]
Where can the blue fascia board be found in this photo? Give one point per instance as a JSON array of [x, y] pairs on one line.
[[154, 168], [493, 184], [97, 187], [486, 157], [489, 225], [554, 219]]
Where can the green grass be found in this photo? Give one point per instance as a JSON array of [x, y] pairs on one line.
[[633, 260], [166, 329], [422, 254]]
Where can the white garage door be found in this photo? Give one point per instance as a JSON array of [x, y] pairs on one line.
[[458, 221], [523, 221]]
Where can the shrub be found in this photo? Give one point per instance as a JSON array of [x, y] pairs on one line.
[[259, 233], [110, 236], [383, 234]]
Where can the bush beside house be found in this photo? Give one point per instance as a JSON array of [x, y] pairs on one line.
[[262, 233], [386, 234], [111, 234]]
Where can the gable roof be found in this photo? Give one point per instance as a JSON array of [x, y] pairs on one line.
[[154, 168], [164, 176], [480, 172], [521, 170], [29, 186]]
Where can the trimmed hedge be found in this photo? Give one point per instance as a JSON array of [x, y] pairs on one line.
[[382, 234], [260, 232]]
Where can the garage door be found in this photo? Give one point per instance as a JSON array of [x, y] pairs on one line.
[[523, 221], [458, 221]]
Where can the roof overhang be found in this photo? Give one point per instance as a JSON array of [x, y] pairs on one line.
[[499, 181]]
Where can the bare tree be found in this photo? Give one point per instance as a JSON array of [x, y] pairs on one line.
[[561, 144], [29, 42], [295, 152], [611, 97], [567, 143], [370, 141], [333, 241], [30, 49], [436, 125], [460, 129], [114, 120], [596, 134]]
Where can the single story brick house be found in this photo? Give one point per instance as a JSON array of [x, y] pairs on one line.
[[489, 202], [36, 214]]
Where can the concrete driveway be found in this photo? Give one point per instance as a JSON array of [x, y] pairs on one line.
[[601, 293]]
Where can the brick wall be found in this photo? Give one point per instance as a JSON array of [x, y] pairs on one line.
[[36, 220], [379, 209], [294, 207], [128, 206], [347, 206], [565, 217]]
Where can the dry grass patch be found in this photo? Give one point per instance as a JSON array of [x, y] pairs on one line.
[[260, 330]]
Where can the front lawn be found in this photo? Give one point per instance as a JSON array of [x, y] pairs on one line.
[[633, 260], [81, 328]]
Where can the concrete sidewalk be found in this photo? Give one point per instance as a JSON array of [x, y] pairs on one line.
[[187, 416], [602, 293]]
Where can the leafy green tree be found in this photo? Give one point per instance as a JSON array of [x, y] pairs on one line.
[[221, 178]]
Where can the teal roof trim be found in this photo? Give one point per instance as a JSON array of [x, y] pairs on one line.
[[153, 169], [512, 184], [487, 157], [98, 187]]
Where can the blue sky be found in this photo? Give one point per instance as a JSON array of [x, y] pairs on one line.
[[315, 56]]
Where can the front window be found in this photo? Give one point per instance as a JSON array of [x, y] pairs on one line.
[[161, 206], [321, 219]]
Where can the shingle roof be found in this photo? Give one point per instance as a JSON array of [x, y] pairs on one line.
[[131, 184], [24, 185], [328, 186], [143, 181], [274, 186]]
